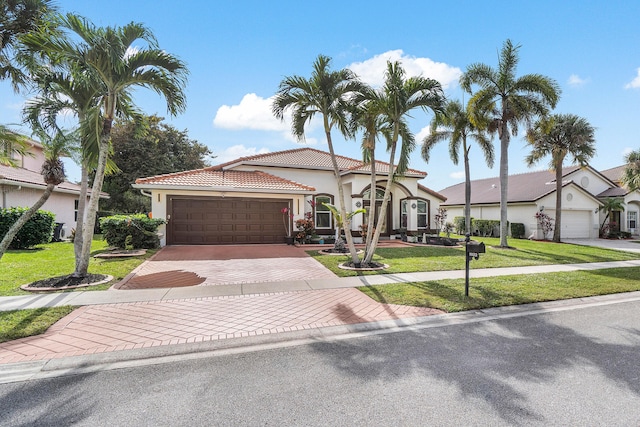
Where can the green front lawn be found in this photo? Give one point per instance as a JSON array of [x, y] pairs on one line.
[[19, 267], [448, 295], [435, 258], [25, 323]]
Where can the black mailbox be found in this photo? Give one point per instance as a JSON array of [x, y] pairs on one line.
[[476, 247]]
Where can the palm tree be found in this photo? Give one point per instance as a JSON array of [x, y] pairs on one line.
[[396, 99], [558, 136], [512, 100], [455, 126], [631, 173], [10, 143], [326, 93], [609, 205], [17, 18], [52, 173], [108, 54]]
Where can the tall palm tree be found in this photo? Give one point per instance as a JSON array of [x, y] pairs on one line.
[[455, 126], [53, 174], [559, 136], [109, 54], [512, 100], [631, 173], [394, 102], [326, 93]]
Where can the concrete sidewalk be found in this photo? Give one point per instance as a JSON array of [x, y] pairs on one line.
[[129, 323], [82, 298]]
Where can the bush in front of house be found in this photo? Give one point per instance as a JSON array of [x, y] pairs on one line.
[[486, 227], [38, 230], [459, 224], [131, 231], [517, 230]]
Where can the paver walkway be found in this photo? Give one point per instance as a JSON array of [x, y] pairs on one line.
[[115, 327]]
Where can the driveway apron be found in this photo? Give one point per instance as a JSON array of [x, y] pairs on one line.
[[176, 266]]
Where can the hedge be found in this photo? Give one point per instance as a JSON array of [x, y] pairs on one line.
[[517, 230], [459, 224], [142, 230], [486, 227], [38, 230]]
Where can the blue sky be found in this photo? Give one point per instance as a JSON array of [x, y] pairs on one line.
[[238, 52]]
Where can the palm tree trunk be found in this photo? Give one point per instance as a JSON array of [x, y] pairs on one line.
[[82, 203], [372, 203], [504, 182], [383, 209], [558, 228], [15, 228], [82, 266], [467, 189], [346, 222]]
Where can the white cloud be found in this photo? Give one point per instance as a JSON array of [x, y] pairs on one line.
[[253, 112], [422, 134], [457, 175], [635, 83], [372, 70], [576, 81], [237, 151]]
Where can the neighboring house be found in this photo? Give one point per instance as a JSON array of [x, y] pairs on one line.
[[241, 201], [23, 185], [582, 192]]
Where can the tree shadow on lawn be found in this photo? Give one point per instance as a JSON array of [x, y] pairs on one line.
[[419, 252], [493, 361], [542, 257]]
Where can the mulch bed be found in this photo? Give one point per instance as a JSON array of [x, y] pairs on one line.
[[66, 282]]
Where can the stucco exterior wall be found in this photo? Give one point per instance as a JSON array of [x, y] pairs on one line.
[[61, 204]]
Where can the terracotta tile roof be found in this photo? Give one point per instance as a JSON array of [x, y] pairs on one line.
[[525, 187], [383, 168], [215, 177], [18, 176], [298, 157]]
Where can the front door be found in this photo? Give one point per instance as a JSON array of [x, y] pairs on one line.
[[387, 220], [615, 222]]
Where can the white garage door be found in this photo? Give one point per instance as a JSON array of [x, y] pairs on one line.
[[576, 224]]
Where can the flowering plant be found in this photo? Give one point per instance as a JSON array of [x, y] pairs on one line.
[[545, 223], [287, 216]]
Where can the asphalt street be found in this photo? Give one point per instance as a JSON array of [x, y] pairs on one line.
[[569, 367]]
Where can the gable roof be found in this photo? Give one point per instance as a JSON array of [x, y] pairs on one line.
[[216, 178], [310, 158], [19, 176], [433, 193], [524, 187], [614, 174]]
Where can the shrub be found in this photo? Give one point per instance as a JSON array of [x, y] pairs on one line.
[[517, 230], [459, 224], [486, 227], [305, 227], [141, 229], [38, 230]]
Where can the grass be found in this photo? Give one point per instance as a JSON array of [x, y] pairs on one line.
[[448, 295], [19, 267], [24, 323], [436, 258]]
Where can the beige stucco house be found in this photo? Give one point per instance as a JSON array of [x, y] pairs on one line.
[[583, 189], [22, 186], [242, 201]]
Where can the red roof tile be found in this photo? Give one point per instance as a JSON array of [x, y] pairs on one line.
[[215, 177]]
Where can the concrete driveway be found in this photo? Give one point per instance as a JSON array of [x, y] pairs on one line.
[[617, 244], [178, 266]]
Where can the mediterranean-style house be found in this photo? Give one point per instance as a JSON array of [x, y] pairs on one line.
[[242, 201], [22, 186], [583, 189]]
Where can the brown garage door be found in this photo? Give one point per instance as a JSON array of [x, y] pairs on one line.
[[219, 221]]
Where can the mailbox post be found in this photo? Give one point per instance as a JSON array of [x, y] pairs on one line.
[[472, 251]]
